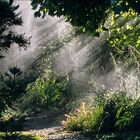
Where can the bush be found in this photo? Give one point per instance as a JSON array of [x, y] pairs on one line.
[[114, 112], [128, 116], [111, 103], [45, 93], [11, 87], [84, 120]]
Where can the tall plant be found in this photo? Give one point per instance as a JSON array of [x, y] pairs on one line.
[[9, 84]]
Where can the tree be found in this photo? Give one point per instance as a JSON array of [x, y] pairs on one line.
[[9, 19], [120, 18], [89, 15]]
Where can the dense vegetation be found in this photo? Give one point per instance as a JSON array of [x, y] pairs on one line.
[[46, 92], [10, 87], [116, 113], [24, 95], [123, 42], [113, 114]]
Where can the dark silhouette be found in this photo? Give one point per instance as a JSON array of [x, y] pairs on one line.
[[8, 19]]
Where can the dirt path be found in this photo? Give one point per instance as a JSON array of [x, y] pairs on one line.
[[46, 124]]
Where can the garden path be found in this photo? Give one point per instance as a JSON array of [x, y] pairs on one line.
[[47, 125]]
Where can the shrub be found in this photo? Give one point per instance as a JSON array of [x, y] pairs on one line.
[[10, 88], [128, 115], [113, 112], [111, 102], [85, 120], [93, 120], [45, 93]]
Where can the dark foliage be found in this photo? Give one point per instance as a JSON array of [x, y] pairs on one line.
[[11, 87], [11, 125], [112, 113], [8, 19], [89, 15]]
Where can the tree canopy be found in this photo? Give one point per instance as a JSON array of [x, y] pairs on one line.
[[9, 18], [89, 15], [119, 17], [125, 39]]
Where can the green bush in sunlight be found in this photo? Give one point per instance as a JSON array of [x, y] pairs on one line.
[[113, 112], [84, 119], [74, 121], [45, 92]]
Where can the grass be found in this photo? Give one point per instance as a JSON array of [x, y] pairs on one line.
[[18, 136]]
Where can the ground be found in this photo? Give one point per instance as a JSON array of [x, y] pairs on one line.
[[47, 125]]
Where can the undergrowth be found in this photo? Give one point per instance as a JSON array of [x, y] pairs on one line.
[[48, 92], [112, 112]]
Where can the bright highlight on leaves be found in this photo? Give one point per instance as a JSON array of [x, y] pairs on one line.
[[125, 38]]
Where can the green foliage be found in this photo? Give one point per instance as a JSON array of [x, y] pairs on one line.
[[74, 121], [84, 119], [10, 87], [88, 15], [46, 92], [12, 112], [135, 135], [113, 112], [128, 116], [15, 71], [122, 47], [124, 41], [85, 14], [118, 18], [19, 136], [10, 81], [9, 18]]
